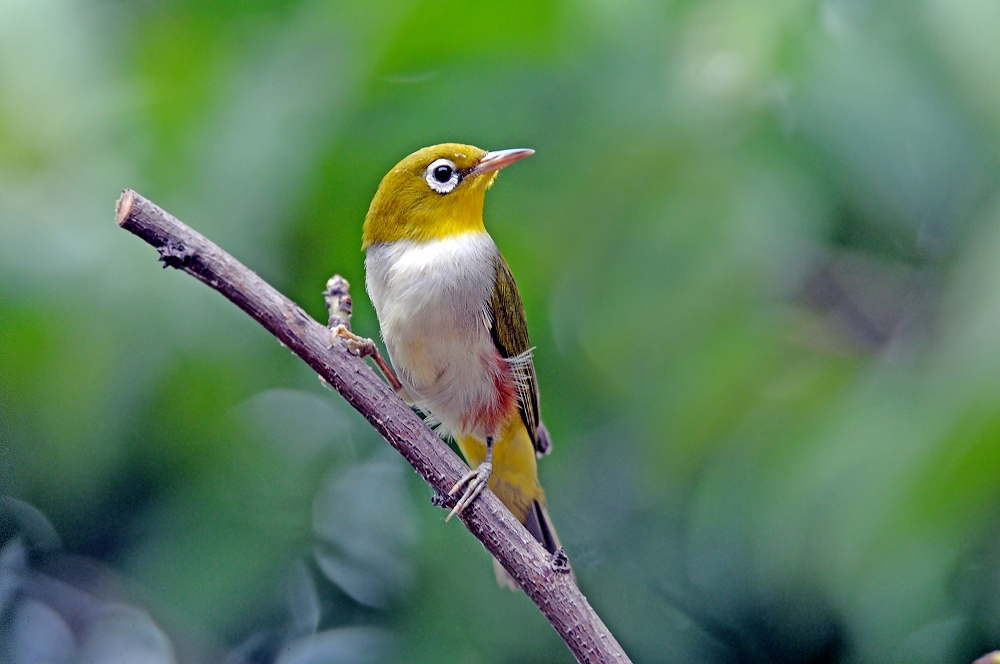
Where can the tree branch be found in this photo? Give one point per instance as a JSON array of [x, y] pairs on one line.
[[544, 578]]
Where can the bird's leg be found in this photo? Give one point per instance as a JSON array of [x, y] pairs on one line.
[[363, 347], [475, 479], [338, 303]]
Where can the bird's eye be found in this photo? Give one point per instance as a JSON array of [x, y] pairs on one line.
[[442, 176], [442, 173]]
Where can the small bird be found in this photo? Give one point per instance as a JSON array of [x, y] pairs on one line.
[[453, 323]]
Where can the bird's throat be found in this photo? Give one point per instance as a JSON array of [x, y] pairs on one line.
[[424, 217]]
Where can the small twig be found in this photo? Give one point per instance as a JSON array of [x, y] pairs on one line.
[[553, 591], [338, 301]]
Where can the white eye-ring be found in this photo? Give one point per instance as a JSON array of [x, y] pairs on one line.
[[442, 175]]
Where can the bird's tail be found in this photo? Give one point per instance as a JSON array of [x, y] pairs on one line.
[[540, 526]]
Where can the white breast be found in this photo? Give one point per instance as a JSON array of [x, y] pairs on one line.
[[431, 299]]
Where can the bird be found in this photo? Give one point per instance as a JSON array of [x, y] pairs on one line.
[[453, 323]]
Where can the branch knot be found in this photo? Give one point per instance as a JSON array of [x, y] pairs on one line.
[[175, 254], [560, 561], [443, 500]]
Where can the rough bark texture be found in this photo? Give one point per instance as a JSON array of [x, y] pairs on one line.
[[544, 578]]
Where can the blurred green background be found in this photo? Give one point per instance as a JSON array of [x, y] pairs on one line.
[[758, 248]]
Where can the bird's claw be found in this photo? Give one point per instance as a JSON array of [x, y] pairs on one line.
[[476, 481], [363, 347], [356, 345]]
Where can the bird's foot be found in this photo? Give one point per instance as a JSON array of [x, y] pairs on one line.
[[474, 482], [359, 346], [363, 347]]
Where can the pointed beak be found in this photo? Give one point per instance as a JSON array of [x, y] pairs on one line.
[[494, 161]]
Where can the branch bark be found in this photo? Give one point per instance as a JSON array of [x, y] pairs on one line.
[[544, 578]]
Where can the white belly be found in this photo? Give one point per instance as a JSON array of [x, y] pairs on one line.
[[431, 299]]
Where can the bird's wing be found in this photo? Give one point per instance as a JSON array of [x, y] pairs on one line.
[[509, 331]]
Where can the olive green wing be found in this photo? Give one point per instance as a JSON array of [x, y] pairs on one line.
[[509, 331]]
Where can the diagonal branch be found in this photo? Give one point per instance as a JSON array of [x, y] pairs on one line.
[[544, 578]]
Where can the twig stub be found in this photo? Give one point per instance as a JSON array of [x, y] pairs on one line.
[[338, 301]]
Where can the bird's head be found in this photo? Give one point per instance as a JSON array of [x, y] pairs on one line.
[[436, 192]]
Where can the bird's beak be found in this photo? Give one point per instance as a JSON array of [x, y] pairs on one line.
[[494, 161]]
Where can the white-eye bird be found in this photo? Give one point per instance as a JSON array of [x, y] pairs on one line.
[[453, 323]]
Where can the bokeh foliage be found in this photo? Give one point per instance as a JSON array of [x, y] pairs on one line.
[[758, 252]]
